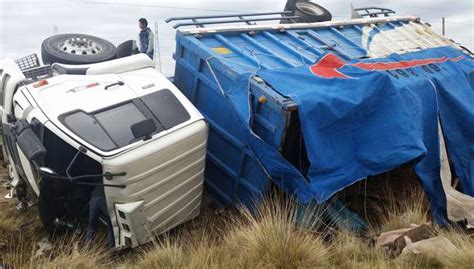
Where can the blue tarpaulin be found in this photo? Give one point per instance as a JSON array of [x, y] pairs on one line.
[[362, 118]]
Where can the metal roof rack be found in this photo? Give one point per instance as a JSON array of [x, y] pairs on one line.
[[374, 12], [248, 18], [32, 70], [28, 62], [38, 73]]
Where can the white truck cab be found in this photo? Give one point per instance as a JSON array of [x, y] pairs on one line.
[[119, 124]]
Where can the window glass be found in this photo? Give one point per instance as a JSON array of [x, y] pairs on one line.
[[166, 108], [88, 129], [117, 122], [111, 128]]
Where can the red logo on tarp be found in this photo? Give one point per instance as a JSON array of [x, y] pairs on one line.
[[327, 67]]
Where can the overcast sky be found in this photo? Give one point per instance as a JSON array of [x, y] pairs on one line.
[[24, 24]]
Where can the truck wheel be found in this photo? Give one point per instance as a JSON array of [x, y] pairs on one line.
[[76, 49], [309, 11]]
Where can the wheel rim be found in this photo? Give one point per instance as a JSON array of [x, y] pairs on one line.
[[79, 45]]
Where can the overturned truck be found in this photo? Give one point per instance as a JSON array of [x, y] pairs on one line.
[[314, 108], [119, 126], [305, 104]]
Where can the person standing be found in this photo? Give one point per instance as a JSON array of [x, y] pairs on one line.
[[145, 38]]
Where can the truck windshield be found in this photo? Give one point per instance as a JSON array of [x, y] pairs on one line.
[[110, 128]]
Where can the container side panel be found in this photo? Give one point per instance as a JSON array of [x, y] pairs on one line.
[[232, 175]]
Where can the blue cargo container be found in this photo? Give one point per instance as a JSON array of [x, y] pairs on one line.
[[211, 60]]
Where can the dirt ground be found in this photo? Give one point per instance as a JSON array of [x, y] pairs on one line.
[[17, 225]]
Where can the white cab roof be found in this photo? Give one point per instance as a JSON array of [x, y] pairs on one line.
[[66, 93]]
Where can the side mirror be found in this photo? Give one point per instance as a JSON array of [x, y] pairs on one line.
[[29, 143], [143, 129]]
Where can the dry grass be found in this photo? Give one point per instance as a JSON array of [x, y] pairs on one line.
[[400, 214], [463, 256], [268, 237], [72, 255], [20, 231], [185, 252], [67, 253], [8, 226], [351, 252], [165, 254]]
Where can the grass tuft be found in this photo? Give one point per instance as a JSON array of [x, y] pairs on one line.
[[413, 209], [463, 255], [266, 238], [166, 254], [270, 238], [66, 254]]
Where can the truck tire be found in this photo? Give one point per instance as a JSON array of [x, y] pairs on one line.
[[76, 49], [311, 12], [308, 11]]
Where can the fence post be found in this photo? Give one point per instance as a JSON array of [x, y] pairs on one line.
[[443, 22], [156, 49]]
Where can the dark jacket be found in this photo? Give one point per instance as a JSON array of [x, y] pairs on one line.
[[146, 41]]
